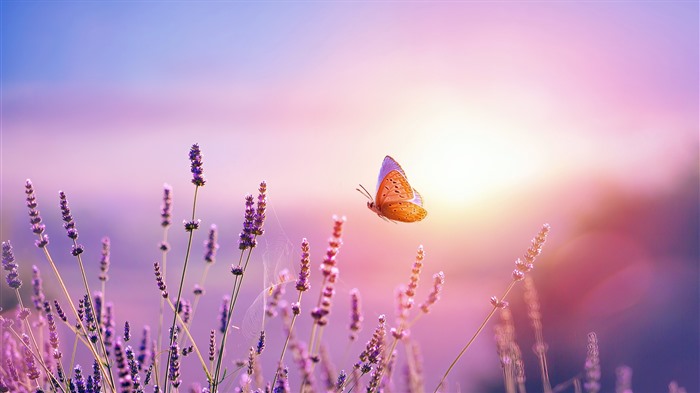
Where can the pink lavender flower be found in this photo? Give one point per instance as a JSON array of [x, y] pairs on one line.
[[592, 365], [104, 259], [196, 166], [415, 276], [356, 317], [303, 281], [434, 296], [167, 207], [211, 245], [30, 365], [334, 244], [247, 236], [34, 216], [524, 266], [8, 263], [259, 218], [320, 313], [375, 346]]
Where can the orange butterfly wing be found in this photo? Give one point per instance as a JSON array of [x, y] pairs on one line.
[[397, 200]]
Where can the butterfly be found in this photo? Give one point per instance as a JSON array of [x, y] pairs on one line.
[[395, 200]]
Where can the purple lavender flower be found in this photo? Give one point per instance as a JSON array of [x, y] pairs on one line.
[[261, 342], [133, 365], [120, 361], [282, 381], [592, 365], [79, 379], [191, 225], [196, 166], [434, 296], [212, 344], [303, 281], [159, 280], [211, 245], [96, 377], [59, 311], [30, 366], [127, 331], [144, 351], [174, 369], [223, 313], [104, 259], [247, 236], [34, 216], [8, 263], [355, 314], [167, 207], [259, 218], [38, 293]]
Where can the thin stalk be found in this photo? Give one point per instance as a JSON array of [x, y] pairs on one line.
[[92, 308], [179, 291], [38, 358], [104, 372], [162, 304], [286, 343], [469, 343]]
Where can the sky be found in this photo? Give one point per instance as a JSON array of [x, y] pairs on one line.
[[504, 115]]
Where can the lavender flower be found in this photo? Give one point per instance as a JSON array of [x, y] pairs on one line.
[[104, 259], [127, 331], [34, 216], [191, 225], [303, 281], [282, 385], [434, 296], [38, 293], [159, 280], [134, 366], [59, 311], [167, 207], [174, 369], [592, 365], [334, 244], [120, 361], [196, 166], [144, 352], [30, 366], [259, 218], [261, 343], [212, 344], [53, 334], [415, 276], [211, 245], [320, 313], [355, 313], [79, 379], [223, 313], [247, 236], [375, 346], [8, 263], [96, 377], [522, 267]]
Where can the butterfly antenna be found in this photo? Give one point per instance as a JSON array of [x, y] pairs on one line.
[[364, 192]]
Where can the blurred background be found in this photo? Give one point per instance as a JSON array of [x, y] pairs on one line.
[[504, 115]]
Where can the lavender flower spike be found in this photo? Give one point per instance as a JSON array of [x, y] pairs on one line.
[[167, 207], [303, 281], [211, 245], [8, 263], [247, 236], [259, 219], [38, 296], [34, 217], [69, 224], [104, 259], [196, 166]]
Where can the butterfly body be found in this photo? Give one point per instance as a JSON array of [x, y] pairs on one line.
[[395, 199]]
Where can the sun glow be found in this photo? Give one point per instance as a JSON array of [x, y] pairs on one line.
[[468, 158]]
